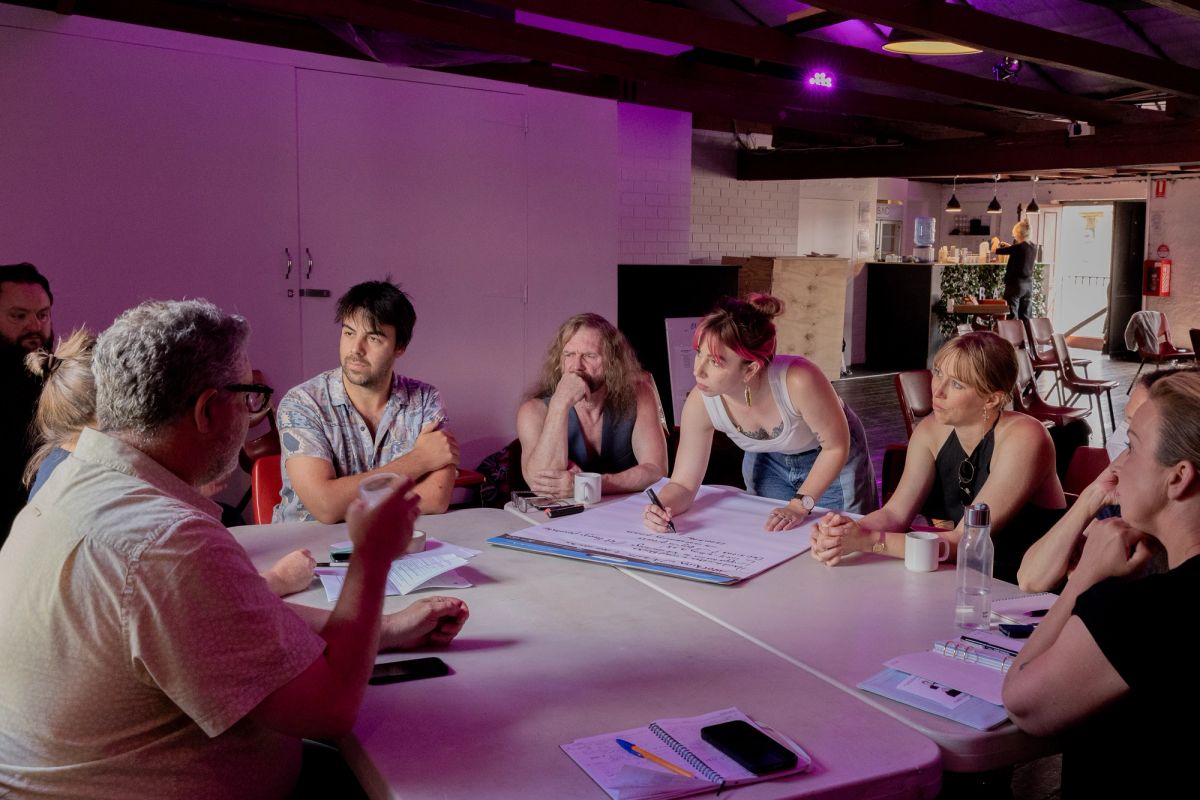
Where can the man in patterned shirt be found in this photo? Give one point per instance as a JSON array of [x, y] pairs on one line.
[[361, 419]]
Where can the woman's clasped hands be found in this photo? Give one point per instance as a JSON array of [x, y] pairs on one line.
[[834, 537]]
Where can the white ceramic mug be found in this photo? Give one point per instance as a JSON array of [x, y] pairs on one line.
[[923, 550], [587, 487], [417, 544]]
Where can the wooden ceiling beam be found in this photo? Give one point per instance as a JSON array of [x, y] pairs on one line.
[[1000, 34], [500, 36], [690, 99], [700, 30], [809, 19], [1174, 142], [1184, 8]]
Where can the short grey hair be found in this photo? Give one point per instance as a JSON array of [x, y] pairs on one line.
[[156, 359]]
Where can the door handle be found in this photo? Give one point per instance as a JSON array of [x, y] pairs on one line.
[[309, 259], [288, 253]]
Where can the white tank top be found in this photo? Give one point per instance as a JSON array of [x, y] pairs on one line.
[[796, 436]]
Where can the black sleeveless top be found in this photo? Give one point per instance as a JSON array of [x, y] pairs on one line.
[[959, 477]]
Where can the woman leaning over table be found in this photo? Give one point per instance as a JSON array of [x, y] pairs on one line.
[[802, 444], [1108, 665], [969, 450]]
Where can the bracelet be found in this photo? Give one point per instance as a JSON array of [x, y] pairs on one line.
[[880, 546]]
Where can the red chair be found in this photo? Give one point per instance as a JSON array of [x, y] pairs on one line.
[[1027, 400], [1041, 351], [1086, 465], [469, 479], [1079, 386], [266, 482], [1013, 330], [914, 389]]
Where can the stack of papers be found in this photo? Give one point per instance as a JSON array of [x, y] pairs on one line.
[[431, 569]]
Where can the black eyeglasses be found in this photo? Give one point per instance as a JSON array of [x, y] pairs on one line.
[[257, 395], [966, 476]]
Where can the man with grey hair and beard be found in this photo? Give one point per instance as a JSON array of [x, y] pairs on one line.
[[142, 653]]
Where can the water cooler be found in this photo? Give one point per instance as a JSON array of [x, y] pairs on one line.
[[924, 235]]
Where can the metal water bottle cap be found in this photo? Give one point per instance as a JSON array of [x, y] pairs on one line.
[[979, 515]]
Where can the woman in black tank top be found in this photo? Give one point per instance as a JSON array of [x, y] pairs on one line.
[[969, 450]]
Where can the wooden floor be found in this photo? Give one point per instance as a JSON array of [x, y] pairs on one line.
[[873, 398]]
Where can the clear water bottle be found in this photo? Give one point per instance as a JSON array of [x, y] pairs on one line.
[[973, 596]]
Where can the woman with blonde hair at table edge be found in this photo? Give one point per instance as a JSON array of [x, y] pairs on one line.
[[969, 450], [1108, 666], [802, 444]]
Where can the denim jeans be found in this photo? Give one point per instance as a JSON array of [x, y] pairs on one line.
[[779, 475]]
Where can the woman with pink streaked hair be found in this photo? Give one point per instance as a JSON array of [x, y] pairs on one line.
[[803, 445]]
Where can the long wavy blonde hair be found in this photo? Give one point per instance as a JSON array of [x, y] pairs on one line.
[[68, 400], [622, 370]]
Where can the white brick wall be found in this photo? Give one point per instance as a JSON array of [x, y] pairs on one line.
[[655, 148], [732, 218]]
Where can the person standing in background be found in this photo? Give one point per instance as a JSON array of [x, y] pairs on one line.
[[1018, 273], [25, 326]]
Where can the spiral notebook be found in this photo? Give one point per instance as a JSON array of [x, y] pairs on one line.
[[957, 680], [626, 776]]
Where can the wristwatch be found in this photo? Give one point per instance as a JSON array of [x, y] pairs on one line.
[[808, 502]]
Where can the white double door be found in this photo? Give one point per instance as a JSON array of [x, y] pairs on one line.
[[132, 172]]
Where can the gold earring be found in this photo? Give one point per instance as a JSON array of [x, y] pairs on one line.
[[747, 392]]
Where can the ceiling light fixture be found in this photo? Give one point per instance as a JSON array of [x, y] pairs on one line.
[[911, 44], [1006, 69], [822, 79], [1033, 206], [994, 206], [952, 205]]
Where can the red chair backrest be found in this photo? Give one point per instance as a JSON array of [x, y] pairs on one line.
[[1012, 330], [1086, 464], [914, 390], [266, 482]]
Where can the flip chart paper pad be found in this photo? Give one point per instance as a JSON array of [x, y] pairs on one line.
[[722, 534]]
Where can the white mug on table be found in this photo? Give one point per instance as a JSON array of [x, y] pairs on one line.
[[587, 487], [923, 550]]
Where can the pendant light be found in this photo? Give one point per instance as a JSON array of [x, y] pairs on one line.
[[994, 206], [952, 205], [912, 44], [1033, 206]]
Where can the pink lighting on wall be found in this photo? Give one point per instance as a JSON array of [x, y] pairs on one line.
[[821, 79]]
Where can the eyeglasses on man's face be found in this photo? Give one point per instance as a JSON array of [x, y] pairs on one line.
[[257, 395]]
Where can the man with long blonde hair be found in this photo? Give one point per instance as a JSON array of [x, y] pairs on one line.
[[592, 409]]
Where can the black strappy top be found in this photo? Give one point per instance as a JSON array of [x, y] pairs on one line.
[[945, 501]]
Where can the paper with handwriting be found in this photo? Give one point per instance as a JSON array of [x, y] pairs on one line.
[[722, 533]]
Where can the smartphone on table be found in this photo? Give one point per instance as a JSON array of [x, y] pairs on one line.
[[413, 669]]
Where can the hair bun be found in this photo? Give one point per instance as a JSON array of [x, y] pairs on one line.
[[42, 363], [767, 305]]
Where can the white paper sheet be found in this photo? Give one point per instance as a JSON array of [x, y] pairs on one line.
[[721, 533], [431, 569]]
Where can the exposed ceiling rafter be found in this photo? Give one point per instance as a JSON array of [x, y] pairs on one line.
[[1030, 42], [1174, 142], [1186, 8], [699, 30], [500, 36]]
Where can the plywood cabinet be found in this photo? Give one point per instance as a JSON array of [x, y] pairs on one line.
[[813, 291]]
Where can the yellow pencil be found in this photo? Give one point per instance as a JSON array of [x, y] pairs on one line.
[[646, 754]]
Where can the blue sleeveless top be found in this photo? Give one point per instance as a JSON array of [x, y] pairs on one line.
[[616, 443]]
